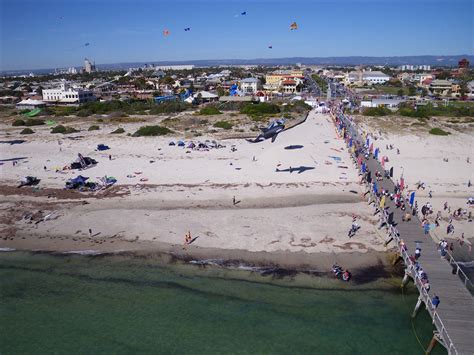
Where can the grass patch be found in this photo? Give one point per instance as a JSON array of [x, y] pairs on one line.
[[93, 128], [151, 131], [33, 122], [209, 110], [18, 122], [376, 111], [63, 130], [261, 108], [118, 131], [439, 132], [27, 131], [223, 125]]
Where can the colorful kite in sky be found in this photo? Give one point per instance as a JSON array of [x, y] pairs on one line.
[[293, 26], [166, 32]]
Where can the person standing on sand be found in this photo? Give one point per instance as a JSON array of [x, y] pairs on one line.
[[110, 156], [90, 233]]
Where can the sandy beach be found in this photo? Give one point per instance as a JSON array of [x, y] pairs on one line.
[[295, 198]]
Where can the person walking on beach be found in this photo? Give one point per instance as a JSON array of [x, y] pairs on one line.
[[110, 156], [90, 233]]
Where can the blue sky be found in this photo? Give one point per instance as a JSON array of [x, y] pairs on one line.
[[52, 33]]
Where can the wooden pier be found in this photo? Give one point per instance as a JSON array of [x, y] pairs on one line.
[[454, 317]]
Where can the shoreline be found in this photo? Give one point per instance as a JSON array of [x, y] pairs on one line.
[[365, 266]]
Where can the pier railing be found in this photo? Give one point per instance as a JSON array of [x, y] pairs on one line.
[[424, 295], [459, 271], [449, 257]]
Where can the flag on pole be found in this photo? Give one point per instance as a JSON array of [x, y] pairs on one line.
[[371, 148], [376, 153], [412, 198], [402, 183], [391, 172], [382, 202]]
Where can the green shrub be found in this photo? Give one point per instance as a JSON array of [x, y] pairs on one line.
[[93, 128], [27, 131], [422, 112], [33, 122], [84, 113], [118, 131], [223, 124], [209, 110], [100, 120], [150, 131], [63, 130], [376, 111], [260, 109], [169, 107], [438, 132], [18, 122]]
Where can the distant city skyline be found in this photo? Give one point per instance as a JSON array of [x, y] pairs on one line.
[[52, 33]]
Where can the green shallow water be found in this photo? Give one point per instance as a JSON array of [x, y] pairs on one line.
[[77, 304]]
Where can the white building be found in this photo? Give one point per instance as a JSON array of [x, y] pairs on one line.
[[89, 67], [30, 104], [375, 77], [389, 103], [414, 67], [249, 85], [68, 95], [174, 67]]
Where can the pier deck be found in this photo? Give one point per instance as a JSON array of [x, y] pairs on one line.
[[454, 317]]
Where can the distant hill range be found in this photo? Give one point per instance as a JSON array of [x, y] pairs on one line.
[[442, 60], [433, 60]]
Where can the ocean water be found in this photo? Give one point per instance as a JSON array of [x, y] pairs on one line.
[[128, 304]]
